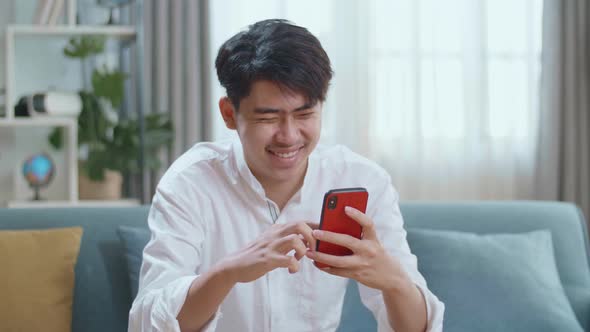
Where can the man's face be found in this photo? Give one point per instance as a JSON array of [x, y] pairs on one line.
[[278, 130]]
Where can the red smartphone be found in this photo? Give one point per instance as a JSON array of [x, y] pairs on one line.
[[334, 219]]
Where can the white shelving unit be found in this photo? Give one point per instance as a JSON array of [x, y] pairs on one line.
[[9, 121]]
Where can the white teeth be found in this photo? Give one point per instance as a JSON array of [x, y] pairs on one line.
[[285, 155]]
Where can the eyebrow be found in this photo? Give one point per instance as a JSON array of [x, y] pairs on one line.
[[267, 110]]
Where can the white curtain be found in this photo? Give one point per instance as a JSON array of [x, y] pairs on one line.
[[443, 94]]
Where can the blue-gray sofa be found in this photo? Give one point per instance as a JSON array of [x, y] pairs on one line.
[[102, 295]]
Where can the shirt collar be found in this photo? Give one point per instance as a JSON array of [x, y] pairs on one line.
[[241, 170]]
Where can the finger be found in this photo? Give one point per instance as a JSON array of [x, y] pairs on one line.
[[344, 240], [305, 242], [312, 245], [313, 225], [335, 261], [303, 229], [291, 242], [300, 249], [293, 265], [288, 262], [363, 220]]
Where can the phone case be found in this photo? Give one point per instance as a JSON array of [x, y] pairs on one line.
[[334, 219]]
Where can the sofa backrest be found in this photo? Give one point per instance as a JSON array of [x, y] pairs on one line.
[[564, 220], [102, 294], [102, 297]]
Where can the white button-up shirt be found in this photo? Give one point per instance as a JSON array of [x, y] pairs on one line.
[[209, 204]]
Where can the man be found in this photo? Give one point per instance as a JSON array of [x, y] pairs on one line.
[[232, 223]]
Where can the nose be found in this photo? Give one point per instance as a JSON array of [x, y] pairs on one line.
[[287, 133]]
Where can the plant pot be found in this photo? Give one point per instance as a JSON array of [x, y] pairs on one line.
[[108, 189]]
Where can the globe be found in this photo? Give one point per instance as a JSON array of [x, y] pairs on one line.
[[38, 170]]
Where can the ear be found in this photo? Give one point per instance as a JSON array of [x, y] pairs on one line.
[[228, 112]]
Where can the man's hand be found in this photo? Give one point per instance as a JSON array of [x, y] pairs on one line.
[[370, 264], [270, 251]]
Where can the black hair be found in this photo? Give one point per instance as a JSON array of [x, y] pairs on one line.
[[278, 51]]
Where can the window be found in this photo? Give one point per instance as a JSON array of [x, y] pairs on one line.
[[454, 68]]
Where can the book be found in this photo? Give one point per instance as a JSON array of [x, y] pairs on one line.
[[43, 11], [2, 101], [56, 12]]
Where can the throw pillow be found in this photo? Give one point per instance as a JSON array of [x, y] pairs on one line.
[[37, 279], [496, 282], [134, 240]]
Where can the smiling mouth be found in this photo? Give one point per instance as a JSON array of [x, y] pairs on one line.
[[285, 155]]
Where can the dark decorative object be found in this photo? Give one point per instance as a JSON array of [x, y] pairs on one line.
[[111, 5]]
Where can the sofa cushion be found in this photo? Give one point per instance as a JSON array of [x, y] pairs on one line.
[[37, 279], [134, 239], [565, 221], [506, 282]]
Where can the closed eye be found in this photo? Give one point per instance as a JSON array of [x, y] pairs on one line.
[[266, 120], [305, 115]]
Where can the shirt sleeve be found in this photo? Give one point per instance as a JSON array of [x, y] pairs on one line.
[[170, 261], [389, 225]]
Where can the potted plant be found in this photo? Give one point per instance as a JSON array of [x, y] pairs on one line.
[[109, 147]]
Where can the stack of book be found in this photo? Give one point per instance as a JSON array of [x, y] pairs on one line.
[[2, 102], [49, 12]]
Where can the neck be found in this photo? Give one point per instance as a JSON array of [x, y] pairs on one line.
[[281, 192]]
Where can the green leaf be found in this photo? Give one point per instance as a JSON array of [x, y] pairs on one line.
[[157, 138], [104, 156], [84, 46], [152, 161], [159, 130], [56, 138], [109, 85], [93, 124], [96, 163]]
